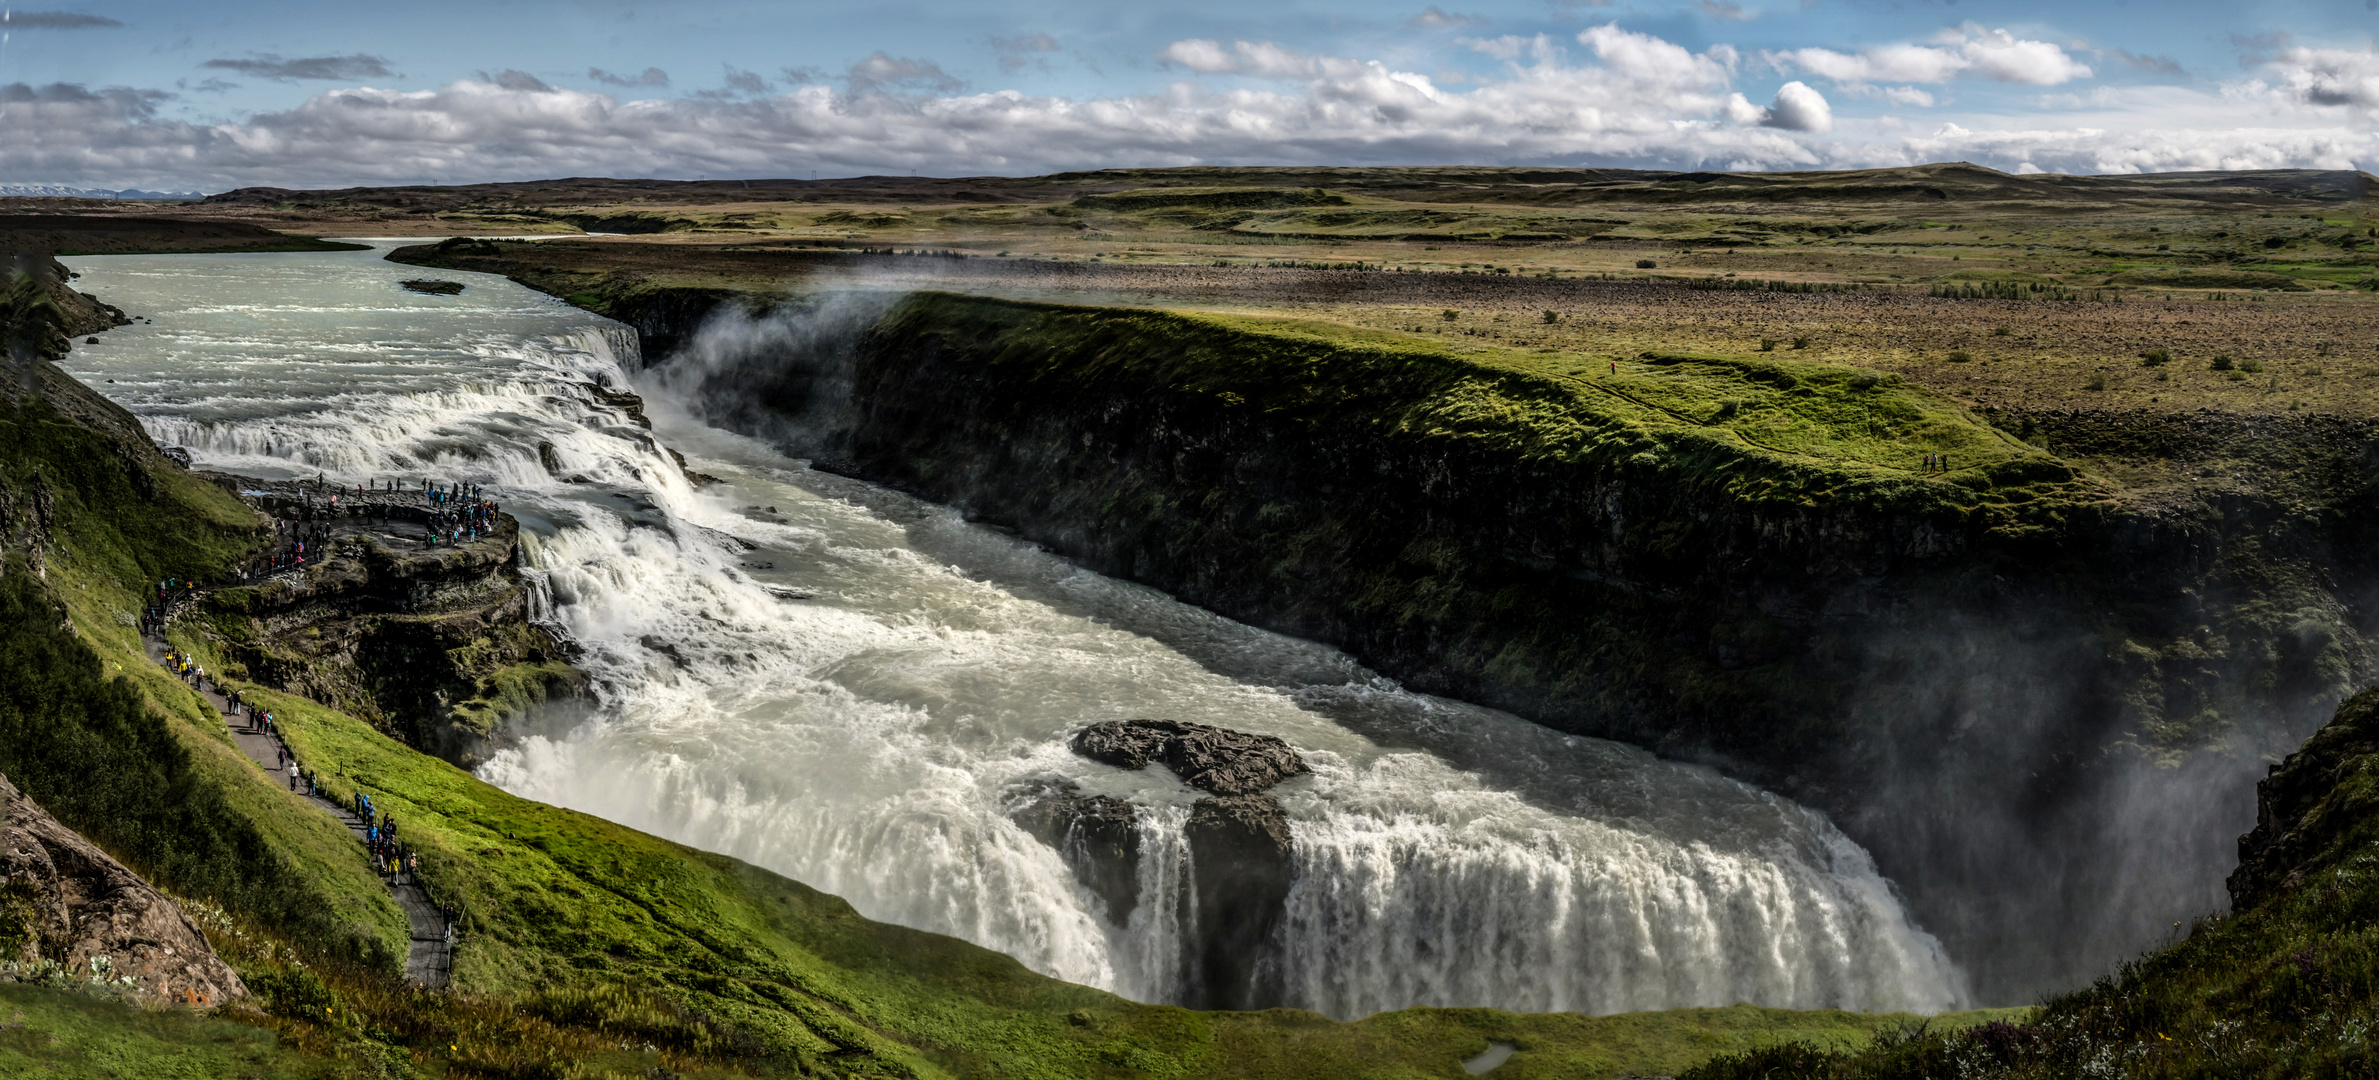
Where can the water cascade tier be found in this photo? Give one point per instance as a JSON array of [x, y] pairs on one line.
[[868, 693]]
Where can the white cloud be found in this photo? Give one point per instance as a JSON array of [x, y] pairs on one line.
[[1799, 108], [1999, 55], [1967, 50], [1260, 58], [1197, 54], [2331, 77], [1796, 108]]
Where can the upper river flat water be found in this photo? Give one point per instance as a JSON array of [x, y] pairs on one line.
[[852, 687]]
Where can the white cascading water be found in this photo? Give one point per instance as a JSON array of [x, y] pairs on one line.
[[848, 686]]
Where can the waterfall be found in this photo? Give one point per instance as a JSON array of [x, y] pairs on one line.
[[846, 686]]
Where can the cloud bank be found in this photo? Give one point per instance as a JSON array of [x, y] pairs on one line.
[[1604, 96], [1970, 50], [53, 20], [327, 68]]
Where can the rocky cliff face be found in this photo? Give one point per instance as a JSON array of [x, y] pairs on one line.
[[432, 644], [65, 902], [2310, 804]]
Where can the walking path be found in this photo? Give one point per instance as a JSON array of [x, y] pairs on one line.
[[429, 960]]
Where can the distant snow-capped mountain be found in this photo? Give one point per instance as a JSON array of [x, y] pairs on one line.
[[61, 191]]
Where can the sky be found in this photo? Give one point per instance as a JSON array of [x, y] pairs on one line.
[[181, 96]]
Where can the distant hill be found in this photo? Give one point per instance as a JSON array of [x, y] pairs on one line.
[[1945, 182], [61, 191]]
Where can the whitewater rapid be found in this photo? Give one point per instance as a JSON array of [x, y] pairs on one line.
[[851, 687]]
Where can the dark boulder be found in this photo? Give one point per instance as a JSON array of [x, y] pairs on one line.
[[1125, 744], [1239, 845], [1211, 759], [1098, 836]]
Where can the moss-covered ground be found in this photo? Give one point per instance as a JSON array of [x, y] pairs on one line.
[[1760, 429]]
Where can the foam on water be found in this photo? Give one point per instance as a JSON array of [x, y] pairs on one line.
[[868, 736]]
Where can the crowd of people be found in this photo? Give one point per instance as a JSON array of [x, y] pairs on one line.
[[455, 512], [185, 668], [395, 861], [459, 514]]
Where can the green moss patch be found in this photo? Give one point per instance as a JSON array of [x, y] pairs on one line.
[[1794, 431]]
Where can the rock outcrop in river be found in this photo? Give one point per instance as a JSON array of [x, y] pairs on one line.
[[1238, 837], [64, 901], [433, 644]]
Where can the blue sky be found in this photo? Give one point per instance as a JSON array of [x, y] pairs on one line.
[[184, 95]]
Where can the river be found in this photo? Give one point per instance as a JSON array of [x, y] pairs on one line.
[[852, 687]]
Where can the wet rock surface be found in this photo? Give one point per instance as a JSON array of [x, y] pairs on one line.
[[1239, 846], [1098, 836], [431, 643], [65, 901], [1239, 842], [1213, 759]]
